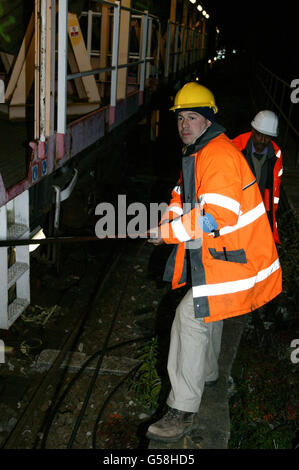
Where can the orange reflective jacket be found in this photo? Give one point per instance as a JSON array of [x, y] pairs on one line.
[[272, 190], [234, 269]]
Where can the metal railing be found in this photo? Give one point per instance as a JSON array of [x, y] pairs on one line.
[[55, 141], [278, 93], [186, 49], [115, 66], [95, 52], [90, 15]]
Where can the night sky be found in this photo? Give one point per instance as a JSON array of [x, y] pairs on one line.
[[266, 30]]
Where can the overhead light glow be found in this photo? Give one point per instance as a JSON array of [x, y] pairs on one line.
[[192, 1], [199, 7], [207, 16]]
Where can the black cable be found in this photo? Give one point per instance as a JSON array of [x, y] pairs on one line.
[[102, 352], [71, 339], [100, 360], [106, 403], [75, 378]]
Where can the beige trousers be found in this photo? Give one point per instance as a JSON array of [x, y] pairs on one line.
[[193, 356]]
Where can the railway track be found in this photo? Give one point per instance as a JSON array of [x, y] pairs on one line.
[[65, 408]]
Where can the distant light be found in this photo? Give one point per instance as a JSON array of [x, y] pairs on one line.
[[199, 7], [221, 53], [217, 30], [207, 16], [215, 58], [234, 51], [204, 13], [209, 61], [192, 1], [197, 79]]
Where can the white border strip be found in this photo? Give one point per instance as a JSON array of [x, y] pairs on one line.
[[223, 201], [179, 230], [235, 286], [245, 219]]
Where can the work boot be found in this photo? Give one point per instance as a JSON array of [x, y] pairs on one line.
[[174, 425]]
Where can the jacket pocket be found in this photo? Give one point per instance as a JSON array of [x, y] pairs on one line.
[[235, 256]]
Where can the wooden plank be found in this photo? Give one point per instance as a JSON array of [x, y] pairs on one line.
[[75, 360], [104, 45], [185, 13], [172, 42], [74, 69], [78, 109], [203, 38], [50, 67], [25, 79], [123, 52], [20, 59], [17, 112], [82, 58], [36, 72], [7, 60], [173, 11]]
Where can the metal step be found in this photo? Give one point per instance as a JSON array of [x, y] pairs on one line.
[[16, 231], [14, 224], [15, 272], [15, 309]]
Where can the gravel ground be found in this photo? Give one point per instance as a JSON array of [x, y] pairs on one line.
[[114, 418]]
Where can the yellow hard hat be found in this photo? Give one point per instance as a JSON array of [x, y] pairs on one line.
[[194, 95]]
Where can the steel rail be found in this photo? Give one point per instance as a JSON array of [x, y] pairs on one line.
[[106, 69]]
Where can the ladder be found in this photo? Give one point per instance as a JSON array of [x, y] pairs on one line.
[[14, 224]]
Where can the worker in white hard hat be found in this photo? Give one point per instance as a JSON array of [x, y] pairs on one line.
[[265, 160]]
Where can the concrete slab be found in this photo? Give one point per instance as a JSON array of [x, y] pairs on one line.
[[75, 360], [213, 416]]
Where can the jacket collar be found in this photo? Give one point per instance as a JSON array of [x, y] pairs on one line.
[[270, 149], [213, 131]]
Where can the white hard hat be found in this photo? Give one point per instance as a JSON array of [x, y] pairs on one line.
[[266, 122]]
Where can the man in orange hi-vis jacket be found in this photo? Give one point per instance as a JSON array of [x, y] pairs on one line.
[[222, 240], [265, 160]]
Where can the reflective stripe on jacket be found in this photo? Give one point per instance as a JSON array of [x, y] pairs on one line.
[[236, 269], [272, 190]]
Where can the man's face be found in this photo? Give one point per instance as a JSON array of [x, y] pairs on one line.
[[260, 140], [191, 125]]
